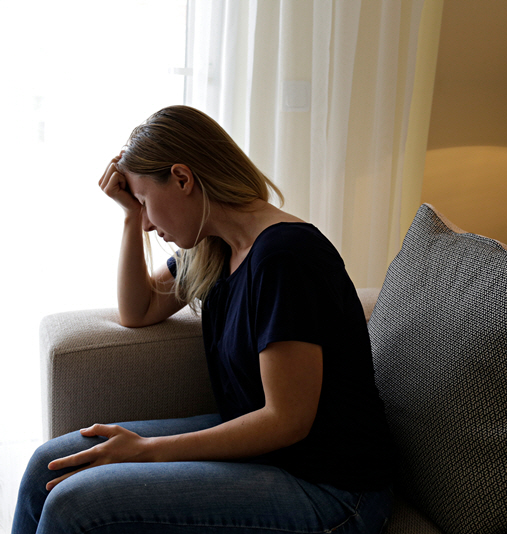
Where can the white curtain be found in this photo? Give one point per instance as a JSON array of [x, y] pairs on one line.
[[318, 93]]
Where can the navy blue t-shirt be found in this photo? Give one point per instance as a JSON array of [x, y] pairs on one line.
[[293, 286]]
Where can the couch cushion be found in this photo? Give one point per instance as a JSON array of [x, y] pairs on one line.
[[439, 339], [406, 519]]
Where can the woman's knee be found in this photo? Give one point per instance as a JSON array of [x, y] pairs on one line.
[[32, 490], [61, 510], [37, 469], [88, 500]]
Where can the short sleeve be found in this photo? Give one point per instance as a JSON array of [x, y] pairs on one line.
[[291, 303], [171, 265]]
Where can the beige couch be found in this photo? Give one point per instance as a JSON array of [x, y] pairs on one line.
[[439, 339], [95, 370]]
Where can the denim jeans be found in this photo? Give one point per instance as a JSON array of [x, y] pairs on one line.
[[185, 497]]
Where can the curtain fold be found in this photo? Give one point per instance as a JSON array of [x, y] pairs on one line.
[[335, 31], [318, 93]]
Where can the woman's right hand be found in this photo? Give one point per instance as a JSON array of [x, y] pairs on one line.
[[114, 184]]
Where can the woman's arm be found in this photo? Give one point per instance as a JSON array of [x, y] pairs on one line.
[[291, 374], [142, 299], [139, 303]]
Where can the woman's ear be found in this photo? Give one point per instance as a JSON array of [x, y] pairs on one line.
[[183, 177]]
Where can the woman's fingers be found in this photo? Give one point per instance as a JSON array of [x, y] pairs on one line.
[[114, 184], [111, 172], [112, 164], [92, 455], [74, 460], [121, 445], [52, 483], [107, 431], [86, 458]]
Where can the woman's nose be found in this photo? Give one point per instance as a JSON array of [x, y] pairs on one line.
[[147, 226]]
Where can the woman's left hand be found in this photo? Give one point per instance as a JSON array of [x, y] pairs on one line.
[[122, 445]]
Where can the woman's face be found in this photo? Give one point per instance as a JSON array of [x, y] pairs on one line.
[[173, 209]]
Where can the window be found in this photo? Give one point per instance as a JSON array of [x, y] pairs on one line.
[[76, 78]]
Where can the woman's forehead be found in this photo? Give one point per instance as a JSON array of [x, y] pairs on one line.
[[136, 182]]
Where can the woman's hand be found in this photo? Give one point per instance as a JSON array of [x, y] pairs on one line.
[[121, 446], [114, 184]]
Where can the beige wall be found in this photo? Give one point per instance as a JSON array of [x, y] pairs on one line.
[[466, 164]]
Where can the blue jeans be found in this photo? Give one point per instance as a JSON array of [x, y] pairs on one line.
[[185, 497]]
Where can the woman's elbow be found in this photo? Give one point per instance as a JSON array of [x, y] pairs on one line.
[[296, 430], [129, 321]]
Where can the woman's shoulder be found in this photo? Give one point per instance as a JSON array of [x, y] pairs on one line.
[[291, 231], [294, 239]]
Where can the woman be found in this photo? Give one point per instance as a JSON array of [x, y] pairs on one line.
[[300, 443]]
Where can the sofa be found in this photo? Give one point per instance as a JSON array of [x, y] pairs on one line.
[[438, 328]]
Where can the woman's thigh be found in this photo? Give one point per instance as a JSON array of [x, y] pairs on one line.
[[33, 493], [74, 442], [200, 497], [184, 496]]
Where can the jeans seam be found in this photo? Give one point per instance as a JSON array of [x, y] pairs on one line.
[[203, 525], [272, 529], [343, 523]]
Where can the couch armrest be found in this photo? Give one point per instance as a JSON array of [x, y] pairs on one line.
[[95, 370]]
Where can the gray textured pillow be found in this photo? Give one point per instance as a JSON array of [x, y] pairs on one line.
[[439, 339]]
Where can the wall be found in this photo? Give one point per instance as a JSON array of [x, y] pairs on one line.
[[465, 173]]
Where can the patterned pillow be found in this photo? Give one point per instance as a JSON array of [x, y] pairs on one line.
[[439, 339]]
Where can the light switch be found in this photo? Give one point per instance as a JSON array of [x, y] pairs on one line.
[[296, 96]]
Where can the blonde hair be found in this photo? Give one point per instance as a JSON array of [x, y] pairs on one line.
[[224, 173]]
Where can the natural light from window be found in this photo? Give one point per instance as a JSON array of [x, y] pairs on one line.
[[76, 79]]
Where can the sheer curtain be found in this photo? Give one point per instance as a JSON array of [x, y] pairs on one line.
[[319, 94], [76, 78]]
